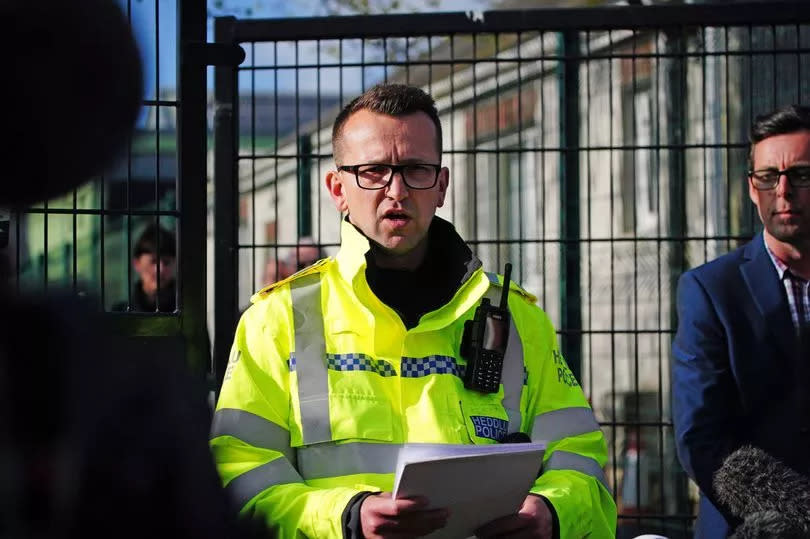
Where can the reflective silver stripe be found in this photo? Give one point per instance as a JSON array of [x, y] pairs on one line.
[[512, 371], [512, 377], [252, 429], [310, 359], [493, 278], [246, 486], [562, 423], [565, 460], [332, 460]]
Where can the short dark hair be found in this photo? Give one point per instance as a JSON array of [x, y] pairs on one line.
[[779, 122], [152, 238], [391, 100]]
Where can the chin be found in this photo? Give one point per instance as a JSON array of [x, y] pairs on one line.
[[398, 249], [396, 246]]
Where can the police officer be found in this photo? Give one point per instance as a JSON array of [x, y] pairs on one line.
[[335, 367]]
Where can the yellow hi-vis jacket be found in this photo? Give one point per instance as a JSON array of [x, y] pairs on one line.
[[325, 383]]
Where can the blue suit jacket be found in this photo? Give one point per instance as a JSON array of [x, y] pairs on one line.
[[736, 374]]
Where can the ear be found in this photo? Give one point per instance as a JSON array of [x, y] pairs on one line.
[[337, 190], [443, 182]]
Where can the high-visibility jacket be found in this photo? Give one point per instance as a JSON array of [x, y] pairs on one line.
[[325, 383]]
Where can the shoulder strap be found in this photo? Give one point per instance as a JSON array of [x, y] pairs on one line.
[[317, 267], [497, 280]]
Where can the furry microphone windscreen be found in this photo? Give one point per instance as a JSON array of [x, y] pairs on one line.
[[72, 88], [752, 481], [770, 525]]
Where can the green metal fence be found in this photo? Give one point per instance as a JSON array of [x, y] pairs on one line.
[[601, 151]]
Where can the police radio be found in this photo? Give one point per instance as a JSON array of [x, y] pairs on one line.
[[483, 343]]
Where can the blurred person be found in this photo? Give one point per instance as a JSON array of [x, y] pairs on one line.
[[306, 253], [740, 370], [99, 434], [336, 367], [276, 269], [154, 259], [303, 255]]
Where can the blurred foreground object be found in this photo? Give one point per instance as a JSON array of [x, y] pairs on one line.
[[772, 499], [100, 435], [72, 86]]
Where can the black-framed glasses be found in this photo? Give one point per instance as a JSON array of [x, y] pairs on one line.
[[374, 176], [768, 178]]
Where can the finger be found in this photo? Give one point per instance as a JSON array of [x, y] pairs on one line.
[[413, 503], [417, 523], [383, 504]]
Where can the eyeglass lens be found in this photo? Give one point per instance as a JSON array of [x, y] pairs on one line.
[[416, 176], [769, 178]]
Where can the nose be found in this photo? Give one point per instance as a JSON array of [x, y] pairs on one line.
[[783, 187], [396, 189]]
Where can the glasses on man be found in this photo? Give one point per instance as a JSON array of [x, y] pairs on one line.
[[768, 178], [379, 176]]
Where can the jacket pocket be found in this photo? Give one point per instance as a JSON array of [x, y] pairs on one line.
[[360, 417], [486, 422]]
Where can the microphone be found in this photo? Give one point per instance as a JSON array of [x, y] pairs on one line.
[[769, 525], [771, 498]]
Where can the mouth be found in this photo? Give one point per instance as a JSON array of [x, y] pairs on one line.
[[396, 218], [790, 212]]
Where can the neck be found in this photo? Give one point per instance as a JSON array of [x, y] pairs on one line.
[[407, 261], [795, 256]]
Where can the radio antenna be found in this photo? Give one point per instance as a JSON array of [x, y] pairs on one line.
[[507, 273]]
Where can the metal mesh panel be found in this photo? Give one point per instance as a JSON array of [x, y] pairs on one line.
[[601, 157], [83, 240]]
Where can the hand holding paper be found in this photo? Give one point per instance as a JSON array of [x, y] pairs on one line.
[[532, 520], [383, 516], [478, 484]]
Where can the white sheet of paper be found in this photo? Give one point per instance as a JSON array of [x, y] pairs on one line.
[[478, 483]]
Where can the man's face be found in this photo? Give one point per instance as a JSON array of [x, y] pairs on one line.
[[146, 266], [396, 218], [784, 210]]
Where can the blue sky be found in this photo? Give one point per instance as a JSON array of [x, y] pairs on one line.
[[158, 48]]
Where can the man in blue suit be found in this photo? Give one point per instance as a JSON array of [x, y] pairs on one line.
[[740, 371]]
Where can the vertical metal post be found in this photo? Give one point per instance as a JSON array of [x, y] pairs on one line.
[[226, 202], [304, 186], [676, 136], [570, 287], [191, 156]]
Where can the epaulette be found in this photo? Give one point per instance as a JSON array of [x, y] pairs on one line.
[[497, 280], [309, 270]]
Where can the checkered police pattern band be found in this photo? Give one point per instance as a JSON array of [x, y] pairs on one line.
[[416, 367], [412, 367], [359, 362]]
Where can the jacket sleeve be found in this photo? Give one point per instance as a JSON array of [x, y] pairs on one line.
[[556, 411], [251, 433], [704, 396]]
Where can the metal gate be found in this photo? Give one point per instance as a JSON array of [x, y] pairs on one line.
[[602, 151], [82, 242]]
